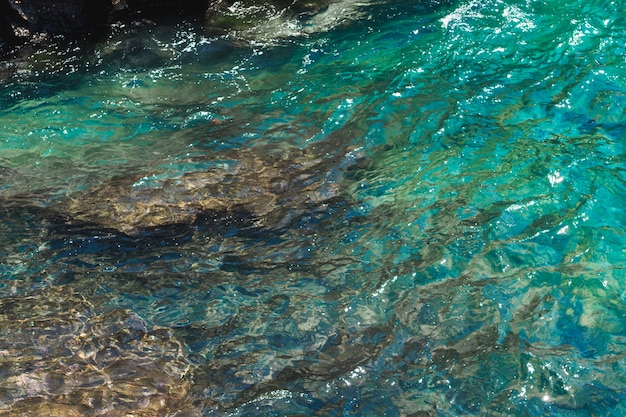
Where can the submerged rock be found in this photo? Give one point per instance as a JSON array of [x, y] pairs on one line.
[[266, 22], [243, 15], [247, 187], [60, 356]]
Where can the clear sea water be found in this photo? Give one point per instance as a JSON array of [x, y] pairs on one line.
[[473, 263]]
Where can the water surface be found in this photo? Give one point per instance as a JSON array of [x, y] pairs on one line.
[[472, 262]]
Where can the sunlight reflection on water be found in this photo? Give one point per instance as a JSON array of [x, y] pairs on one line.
[[461, 252]]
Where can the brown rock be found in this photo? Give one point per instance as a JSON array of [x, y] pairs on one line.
[[61, 357], [256, 188]]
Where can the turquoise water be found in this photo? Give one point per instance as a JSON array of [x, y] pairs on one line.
[[471, 264]]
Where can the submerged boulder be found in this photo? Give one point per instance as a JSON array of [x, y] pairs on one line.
[[253, 188], [246, 14]]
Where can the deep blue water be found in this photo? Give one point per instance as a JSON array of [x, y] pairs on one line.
[[472, 262]]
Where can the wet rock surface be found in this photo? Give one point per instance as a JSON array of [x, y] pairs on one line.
[[21, 19], [25, 20], [30, 18], [268, 22]]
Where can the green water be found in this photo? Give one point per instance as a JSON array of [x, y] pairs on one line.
[[472, 264]]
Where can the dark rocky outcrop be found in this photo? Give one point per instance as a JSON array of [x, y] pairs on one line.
[[23, 20]]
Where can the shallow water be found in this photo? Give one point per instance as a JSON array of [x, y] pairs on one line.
[[472, 262]]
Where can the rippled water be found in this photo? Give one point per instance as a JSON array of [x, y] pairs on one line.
[[472, 262]]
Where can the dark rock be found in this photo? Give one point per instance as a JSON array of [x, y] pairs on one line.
[[162, 8], [22, 20], [27, 17], [135, 53]]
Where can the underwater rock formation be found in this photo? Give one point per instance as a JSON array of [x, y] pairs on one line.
[[61, 356], [244, 187], [265, 22]]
